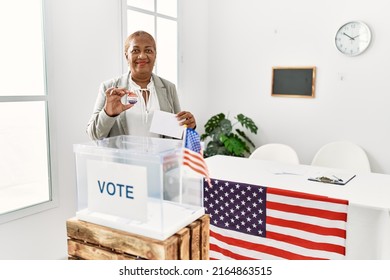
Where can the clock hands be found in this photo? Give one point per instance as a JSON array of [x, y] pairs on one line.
[[352, 38]]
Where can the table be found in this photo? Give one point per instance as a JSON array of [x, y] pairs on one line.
[[368, 225]]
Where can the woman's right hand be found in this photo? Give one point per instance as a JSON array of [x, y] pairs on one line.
[[114, 106]]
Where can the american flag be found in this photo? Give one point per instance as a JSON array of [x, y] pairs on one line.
[[193, 154], [254, 222]]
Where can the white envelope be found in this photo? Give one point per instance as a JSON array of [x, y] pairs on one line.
[[165, 123]]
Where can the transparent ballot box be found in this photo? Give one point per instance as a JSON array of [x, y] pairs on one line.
[[137, 184]]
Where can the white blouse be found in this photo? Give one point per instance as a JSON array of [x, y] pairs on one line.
[[140, 116]]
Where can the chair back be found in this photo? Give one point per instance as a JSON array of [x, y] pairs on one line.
[[276, 152], [342, 155]]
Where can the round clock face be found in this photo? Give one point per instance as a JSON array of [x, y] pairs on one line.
[[353, 38]]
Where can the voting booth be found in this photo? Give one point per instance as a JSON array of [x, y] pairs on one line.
[[138, 185]]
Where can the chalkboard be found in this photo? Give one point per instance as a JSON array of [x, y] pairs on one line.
[[293, 81]]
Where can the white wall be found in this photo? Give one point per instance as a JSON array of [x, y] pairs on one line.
[[83, 48], [245, 39]]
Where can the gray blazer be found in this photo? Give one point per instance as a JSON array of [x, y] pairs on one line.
[[101, 125]]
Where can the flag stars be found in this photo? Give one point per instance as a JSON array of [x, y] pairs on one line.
[[236, 206]]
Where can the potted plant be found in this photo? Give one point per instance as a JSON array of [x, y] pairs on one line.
[[222, 140]]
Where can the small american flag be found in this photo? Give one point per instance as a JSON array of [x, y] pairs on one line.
[[193, 155], [256, 222]]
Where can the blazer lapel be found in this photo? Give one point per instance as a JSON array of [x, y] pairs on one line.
[[162, 95]]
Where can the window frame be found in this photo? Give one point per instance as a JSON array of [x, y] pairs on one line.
[[53, 189]]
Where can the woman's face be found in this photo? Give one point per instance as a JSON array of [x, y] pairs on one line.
[[141, 56]]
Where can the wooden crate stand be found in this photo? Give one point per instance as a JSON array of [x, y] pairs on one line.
[[88, 241]]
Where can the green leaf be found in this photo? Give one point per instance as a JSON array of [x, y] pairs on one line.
[[216, 134], [234, 145], [223, 140], [226, 126], [213, 122], [247, 122], [213, 148], [243, 135]]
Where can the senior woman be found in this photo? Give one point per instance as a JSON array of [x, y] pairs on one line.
[[116, 114]]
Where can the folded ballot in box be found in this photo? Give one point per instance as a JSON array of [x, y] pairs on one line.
[[333, 178]]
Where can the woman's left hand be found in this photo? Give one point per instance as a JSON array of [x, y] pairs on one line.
[[186, 118]]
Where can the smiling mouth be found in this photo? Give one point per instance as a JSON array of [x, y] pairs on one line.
[[142, 63]]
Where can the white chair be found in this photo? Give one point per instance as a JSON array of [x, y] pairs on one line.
[[342, 155], [276, 152]]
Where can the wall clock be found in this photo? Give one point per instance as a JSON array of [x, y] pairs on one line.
[[353, 38]]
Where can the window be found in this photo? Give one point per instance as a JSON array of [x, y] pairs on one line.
[[25, 184], [159, 18]]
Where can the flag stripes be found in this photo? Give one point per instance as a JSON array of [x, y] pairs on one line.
[[256, 248], [195, 161], [310, 227], [297, 226], [193, 155]]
